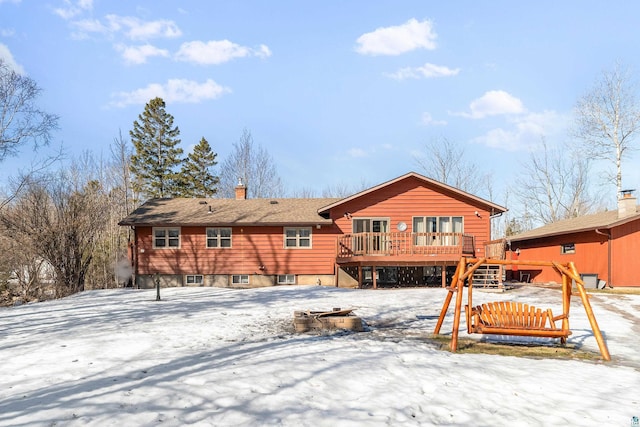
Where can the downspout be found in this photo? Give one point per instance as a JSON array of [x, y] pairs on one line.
[[608, 255]]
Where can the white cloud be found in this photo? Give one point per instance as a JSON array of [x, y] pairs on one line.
[[217, 52], [85, 27], [398, 39], [139, 54], [10, 1], [426, 71], [131, 27], [7, 57], [526, 132], [7, 32], [493, 103], [136, 29], [263, 51], [72, 9], [174, 91], [427, 120]]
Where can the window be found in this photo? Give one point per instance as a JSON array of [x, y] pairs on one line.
[[166, 238], [195, 279], [297, 237], [426, 227], [240, 279], [218, 237], [568, 248], [286, 279]]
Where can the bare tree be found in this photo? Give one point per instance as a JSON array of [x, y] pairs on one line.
[[21, 121], [446, 162], [608, 119], [120, 173], [343, 190], [253, 166], [554, 185], [304, 193], [121, 201], [62, 219]]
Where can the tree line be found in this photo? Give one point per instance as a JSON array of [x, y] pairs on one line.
[[59, 230]]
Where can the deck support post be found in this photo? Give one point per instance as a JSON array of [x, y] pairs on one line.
[[373, 277]]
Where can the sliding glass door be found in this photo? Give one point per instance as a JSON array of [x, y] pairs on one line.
[[376, 237]]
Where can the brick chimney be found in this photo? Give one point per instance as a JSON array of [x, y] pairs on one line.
[[626, 204], [241, 190]]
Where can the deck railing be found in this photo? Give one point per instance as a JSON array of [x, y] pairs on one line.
[[495, 249], [405, 244]]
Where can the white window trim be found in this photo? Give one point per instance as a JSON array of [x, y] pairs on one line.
[[195, 279], [371, 219], [153, 236], [424, 217], [286, 279], [240, 279], [219, 238], [297, 246]]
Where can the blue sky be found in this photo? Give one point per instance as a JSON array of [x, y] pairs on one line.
[[336, 91]]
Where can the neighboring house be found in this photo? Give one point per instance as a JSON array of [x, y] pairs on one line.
[[603, 246], [404, 232]]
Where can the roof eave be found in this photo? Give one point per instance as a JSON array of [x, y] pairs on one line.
[[226, 224]]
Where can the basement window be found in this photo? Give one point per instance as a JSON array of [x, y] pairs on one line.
[[286, 279], [568, 248], [240, 279], [195, 279]]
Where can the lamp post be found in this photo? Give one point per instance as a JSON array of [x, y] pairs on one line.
[[156, 278]]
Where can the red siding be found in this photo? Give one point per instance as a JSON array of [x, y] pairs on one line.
[[252, 247], [408, 198], [625, 248], [590, 255]]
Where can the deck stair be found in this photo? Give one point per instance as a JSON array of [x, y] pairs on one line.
[[488, 276]]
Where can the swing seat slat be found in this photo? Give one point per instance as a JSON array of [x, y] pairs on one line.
[[514, 318]]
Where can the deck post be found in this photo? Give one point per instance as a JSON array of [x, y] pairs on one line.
[[373, 277]]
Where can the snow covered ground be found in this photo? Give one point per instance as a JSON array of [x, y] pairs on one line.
[[224, 357]]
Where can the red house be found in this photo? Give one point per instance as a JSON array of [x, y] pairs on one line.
[[404, 232], [602, 246]]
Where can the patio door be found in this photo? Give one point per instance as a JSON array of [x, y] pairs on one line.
[[376, 237]]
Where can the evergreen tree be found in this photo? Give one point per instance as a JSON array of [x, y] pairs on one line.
[[156, 153], [196, 177]]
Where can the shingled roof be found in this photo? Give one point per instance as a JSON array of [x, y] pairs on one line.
[[602, 220], [229, 212]]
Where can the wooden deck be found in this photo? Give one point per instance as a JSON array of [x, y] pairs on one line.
[[404, 247]]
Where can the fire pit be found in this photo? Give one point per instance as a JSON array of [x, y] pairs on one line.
[[337, 318]]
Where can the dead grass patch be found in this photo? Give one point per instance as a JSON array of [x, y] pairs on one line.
[[472, 346], [617, 291]]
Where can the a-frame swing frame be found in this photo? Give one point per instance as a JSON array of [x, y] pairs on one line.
[[512, 323]]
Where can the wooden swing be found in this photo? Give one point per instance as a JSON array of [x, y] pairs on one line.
[[513, 318]]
